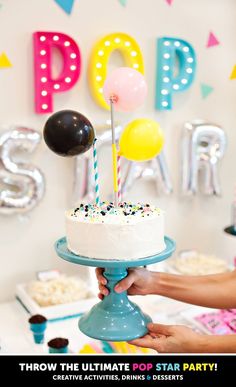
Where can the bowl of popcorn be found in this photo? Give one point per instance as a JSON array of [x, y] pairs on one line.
[[57, 297], [192, 262]]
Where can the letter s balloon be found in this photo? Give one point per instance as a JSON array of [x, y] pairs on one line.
[[26, 184]]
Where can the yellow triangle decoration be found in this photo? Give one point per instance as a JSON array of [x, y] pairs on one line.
[[233, 74], [4, 61]]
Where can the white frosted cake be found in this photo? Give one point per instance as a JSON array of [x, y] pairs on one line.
[[130, 231]]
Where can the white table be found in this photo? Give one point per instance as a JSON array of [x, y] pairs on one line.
[[15, 336]]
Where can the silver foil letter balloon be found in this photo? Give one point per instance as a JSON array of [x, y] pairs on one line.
[[155, 170], [84, 184], [22, 185], [203, 145]]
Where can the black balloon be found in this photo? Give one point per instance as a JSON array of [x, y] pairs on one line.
[[230, 230], [68, 133]]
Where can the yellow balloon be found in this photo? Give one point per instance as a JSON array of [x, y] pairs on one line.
[[141, 140]]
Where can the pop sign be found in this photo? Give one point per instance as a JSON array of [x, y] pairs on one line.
[[171, 53]]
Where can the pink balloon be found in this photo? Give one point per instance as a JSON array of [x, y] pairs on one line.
[[127, 87]]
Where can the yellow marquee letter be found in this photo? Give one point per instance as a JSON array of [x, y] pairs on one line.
[[99, 60]]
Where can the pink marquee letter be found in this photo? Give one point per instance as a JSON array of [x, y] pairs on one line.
[[45, 85]]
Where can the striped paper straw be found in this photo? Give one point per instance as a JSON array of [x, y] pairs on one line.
[[119, 177], [95, 168]]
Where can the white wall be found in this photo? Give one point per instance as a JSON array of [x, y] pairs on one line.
[[26, 245]]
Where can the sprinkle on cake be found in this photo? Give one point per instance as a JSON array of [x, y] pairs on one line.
[[126, 210]]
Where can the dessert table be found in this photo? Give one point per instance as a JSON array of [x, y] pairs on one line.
[[15, 336]]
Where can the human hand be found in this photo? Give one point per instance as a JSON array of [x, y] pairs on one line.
[[171, 339], [138, 281]]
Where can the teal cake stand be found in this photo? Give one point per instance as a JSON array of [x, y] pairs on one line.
[[115, 318]]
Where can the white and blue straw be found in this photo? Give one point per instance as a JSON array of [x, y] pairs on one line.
[[95, 168]]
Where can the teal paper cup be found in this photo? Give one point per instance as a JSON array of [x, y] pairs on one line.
[[38, 325], [38, 332], [58, 350], [58, 345]]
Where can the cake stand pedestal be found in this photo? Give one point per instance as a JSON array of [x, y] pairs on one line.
[[115, 318]]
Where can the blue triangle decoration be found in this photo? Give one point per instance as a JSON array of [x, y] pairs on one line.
[[206, 90], [66, 5], [123, 2]]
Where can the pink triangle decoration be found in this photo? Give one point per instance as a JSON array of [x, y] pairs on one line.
[[212, 40], [169, 2]]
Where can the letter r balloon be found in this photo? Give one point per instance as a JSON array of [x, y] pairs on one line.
[[170, 52], [45, 84]]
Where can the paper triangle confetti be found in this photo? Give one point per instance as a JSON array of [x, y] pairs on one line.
[[66, 5], [206, 90], [169, 2], [212, 40], [123, 2], [233, 73], [4, 61]]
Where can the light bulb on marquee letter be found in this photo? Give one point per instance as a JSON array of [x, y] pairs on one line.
[[169, 50], [100, 56], [45, 84]]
